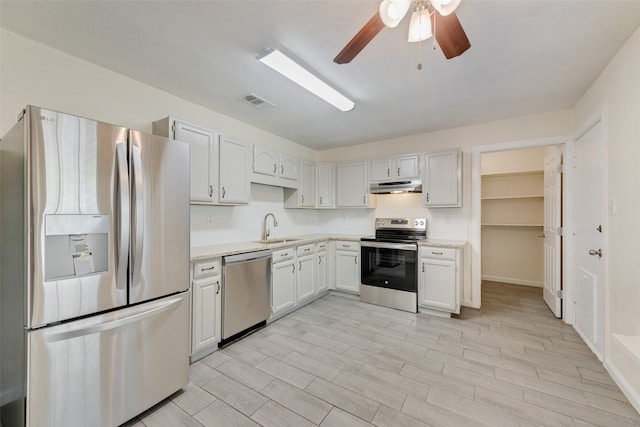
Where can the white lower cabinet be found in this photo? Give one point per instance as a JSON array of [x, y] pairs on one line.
[[440, 279], [206, 307], [348, 266], [283, 280], [306, 258], [322, 268]]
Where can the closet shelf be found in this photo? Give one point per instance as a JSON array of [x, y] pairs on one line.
[[511, 225], [531, 196]]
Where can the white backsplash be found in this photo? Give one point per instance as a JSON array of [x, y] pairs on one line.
[[212, 225], [225, 224]]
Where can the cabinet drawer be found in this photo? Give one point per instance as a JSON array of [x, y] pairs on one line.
[[282, 255], [347, 246], [439, 253], [306, 250], [206, 268]]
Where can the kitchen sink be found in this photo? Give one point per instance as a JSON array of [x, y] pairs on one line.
[[278, 240]]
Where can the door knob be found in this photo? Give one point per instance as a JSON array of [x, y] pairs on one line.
[[594, 252]]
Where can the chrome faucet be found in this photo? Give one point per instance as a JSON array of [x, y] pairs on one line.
[[265, 234]]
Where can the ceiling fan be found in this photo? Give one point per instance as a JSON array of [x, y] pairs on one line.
[[430, 17]]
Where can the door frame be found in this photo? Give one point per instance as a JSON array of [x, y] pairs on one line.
[[566, 142]]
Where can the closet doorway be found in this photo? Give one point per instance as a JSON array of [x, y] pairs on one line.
[[521, 220]]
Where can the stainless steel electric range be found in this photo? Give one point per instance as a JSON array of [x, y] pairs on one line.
[[389, 267]]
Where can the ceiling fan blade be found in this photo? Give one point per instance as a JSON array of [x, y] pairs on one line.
[[360, 40], [450, 35]]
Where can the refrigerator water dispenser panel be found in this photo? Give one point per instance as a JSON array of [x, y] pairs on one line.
[[75, 245]]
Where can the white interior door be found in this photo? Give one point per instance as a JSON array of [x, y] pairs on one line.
[[589, 238], [552, 220]]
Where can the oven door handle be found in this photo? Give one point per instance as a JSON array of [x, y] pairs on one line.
[[387, 245]]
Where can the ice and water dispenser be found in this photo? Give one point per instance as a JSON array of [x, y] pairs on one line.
[[76, 245]]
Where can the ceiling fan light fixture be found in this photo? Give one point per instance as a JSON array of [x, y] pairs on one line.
[[392, 11], [445, 7], [420, 26], [295, 72]]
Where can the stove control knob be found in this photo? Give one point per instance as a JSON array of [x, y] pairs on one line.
[[416, 223]]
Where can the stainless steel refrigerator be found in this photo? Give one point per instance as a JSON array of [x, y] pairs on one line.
[[94, 270]]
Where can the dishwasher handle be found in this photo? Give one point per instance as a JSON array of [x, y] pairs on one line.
[[249, 256]]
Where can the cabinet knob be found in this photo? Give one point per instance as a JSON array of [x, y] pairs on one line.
[[299, 265], [218, 290], [210, 190], [423, 267], [302, 198], [293, 268], [281, 170], [388, 172], [275, 168], [398, 171], [223, 192]]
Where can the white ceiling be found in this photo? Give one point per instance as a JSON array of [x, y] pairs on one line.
[[526, 57]]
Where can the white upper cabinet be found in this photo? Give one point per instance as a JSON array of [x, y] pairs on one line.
[[407, 166], [442, 179], [203, 153], [288, 167], [307, 184], [273, 168], [234, 171], [265, 162], [304, 196], [399, 167], [325, 185], [381, 170], [353, 186]]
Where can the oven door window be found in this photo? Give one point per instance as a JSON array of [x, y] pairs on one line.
[[389, 268]]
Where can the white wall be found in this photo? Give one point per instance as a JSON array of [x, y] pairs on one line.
[[618, 89]]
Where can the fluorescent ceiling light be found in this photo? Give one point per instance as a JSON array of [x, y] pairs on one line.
[[299, 75]]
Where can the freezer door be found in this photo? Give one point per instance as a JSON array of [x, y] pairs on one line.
[[76, 170], [106, 369], [159, 253]]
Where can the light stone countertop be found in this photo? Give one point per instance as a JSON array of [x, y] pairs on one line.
[[443, 243], [234, 248]]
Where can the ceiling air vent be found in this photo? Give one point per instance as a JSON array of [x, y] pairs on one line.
[[256, 101]]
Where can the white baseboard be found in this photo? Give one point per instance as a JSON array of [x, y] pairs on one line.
[[512, 281], [629, 392]]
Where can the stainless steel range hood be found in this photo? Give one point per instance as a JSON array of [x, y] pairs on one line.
[[408, 186]]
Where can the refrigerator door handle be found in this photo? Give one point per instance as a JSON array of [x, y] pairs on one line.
[[138, 221], [113, 324], [124, 213]]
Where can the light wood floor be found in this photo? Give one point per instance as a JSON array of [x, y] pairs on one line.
[[339, 362]]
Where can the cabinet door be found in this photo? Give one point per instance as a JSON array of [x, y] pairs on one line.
[[265, 162], [321, 272], [283, 286], [348, 271], [407, 166], [306, 277], [203, 153], [441, 186], [381, 170], [234, 171], [288, 167], [326, 174], [437, 287], [353, 185], [206, 316], [306, 184]]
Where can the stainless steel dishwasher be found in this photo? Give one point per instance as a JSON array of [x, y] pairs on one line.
[[246, 293]]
